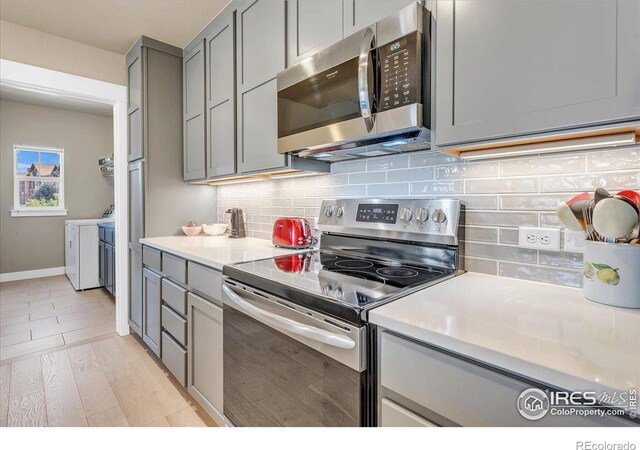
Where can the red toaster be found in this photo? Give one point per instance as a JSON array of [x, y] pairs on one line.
[[291, 232]]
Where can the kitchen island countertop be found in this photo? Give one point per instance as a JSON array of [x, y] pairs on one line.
[[216, 251], [547, 333]]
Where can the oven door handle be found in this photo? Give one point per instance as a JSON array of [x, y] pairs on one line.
[[316, 334], [364, 67]]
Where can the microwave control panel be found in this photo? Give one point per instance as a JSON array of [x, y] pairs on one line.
[[400, 69]]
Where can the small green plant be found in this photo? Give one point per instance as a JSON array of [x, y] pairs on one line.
[[43, 202]]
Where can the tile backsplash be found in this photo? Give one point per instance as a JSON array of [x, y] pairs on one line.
[[500, 195]]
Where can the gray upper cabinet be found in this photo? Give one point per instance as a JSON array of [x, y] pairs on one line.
[[193, 67], [261, 36], [311, 26], [361, 13], [135, 92], [151, 310], [221, 100], [508, 68]]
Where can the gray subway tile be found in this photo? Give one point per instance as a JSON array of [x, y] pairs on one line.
[[502, 219], [509, 236], [532, 202], [467, 170], [367, 177], [601, 160], [480, 234], [387, 163], [349, 167], [589, 182], [568, 260], [550, 220], [432, 158], [480, 265], [388, 189], [353, 190], [333, 180], [501, 252], [542, 165], [495, 185], [437, 187], [476, 201], [417, 174], [543, 274]]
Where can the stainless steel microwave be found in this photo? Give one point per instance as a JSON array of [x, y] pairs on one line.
[[367, 95]]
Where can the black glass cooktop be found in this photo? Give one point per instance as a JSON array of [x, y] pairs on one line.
[[352, 282]]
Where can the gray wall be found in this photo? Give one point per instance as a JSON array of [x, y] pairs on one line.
[[30, 243]]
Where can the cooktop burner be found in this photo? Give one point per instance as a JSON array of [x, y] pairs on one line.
[[356, 281]]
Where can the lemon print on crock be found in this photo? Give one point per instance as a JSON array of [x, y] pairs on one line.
[[607, 274], [588, 270]]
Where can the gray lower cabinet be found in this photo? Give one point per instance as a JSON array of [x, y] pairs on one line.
[[312, 26], [152, 310], [420, 385], [260, 55], [193, 76], [204, 343], [101, 263], [565, 64], [221, 99], [361, 13], [135, 289], [110, 260]]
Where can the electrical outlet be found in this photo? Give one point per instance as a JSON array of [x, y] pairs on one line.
[[539, 238], [574, 241]]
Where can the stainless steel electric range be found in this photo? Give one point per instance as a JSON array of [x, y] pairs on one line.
[[297, 343]]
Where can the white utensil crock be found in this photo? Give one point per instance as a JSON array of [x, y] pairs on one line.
[[611, 273]]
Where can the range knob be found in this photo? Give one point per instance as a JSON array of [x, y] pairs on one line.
[[438, 216], [405, 214], [328, 211], [422, 215], [337, 211]]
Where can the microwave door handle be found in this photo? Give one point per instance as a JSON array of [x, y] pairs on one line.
[[316, 334], [364, 66]]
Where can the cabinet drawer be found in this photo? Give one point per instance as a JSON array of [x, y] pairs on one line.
[[175, 325], [174, 296], [174, 267], [101, 233], [394, 415], [205, 280], [109, 236], [151, 258], [464, 393], [174, 357]]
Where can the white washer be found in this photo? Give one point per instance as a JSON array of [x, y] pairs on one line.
[[81, 252]]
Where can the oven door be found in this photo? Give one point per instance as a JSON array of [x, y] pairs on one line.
[[329, 98], [285, 365]]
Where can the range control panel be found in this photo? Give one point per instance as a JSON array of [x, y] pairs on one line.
[[400, 62], [407, 219]]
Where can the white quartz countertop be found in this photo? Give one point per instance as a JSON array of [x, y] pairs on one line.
[[216, 251], [548, 333]]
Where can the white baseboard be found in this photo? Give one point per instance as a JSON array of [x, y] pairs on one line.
[[29, 274]]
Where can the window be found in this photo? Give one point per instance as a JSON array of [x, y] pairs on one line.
[[38, 188]]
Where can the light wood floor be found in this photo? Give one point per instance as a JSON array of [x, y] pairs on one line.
[[46, 313], [84, 374]]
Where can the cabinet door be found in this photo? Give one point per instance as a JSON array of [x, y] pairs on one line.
[[565, 64], [101, 265], [260, 56], [311, 26], [205, 353], [221, 100], [151, 310], [193, 67], [136, 203], [109, 265], [135, 290], [362, 13], [135, 94]]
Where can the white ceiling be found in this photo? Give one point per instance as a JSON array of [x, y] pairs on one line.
[[114, 25], [14, 94]]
